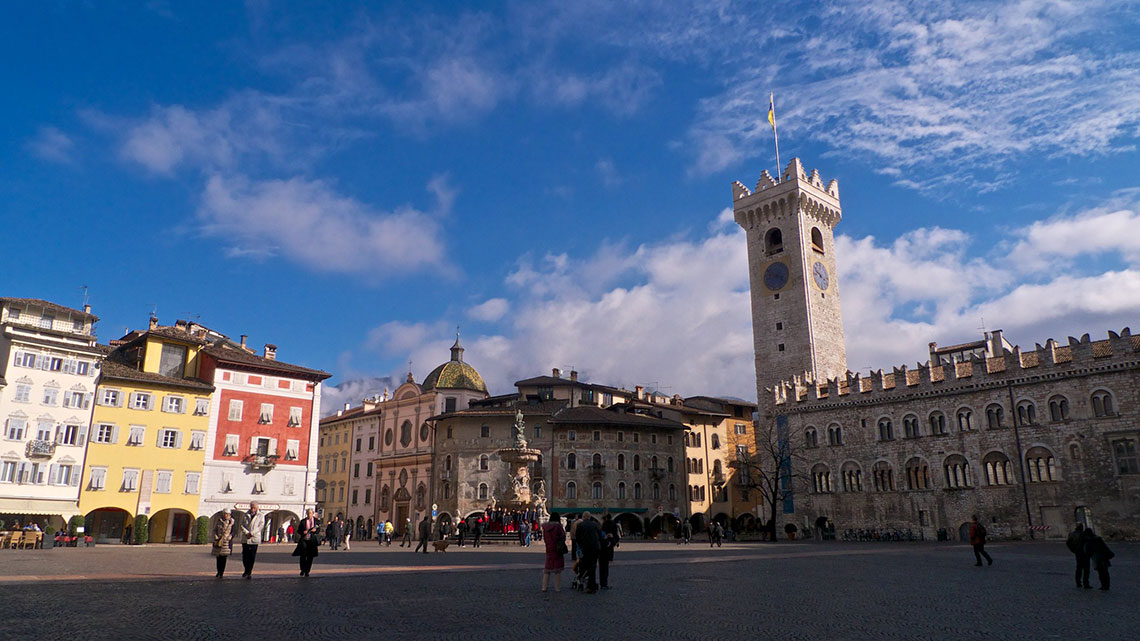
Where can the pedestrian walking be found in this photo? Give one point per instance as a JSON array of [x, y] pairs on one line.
[[589, 537], [380, 533], [348, 536], [1076, 545], [407, 533], [308, 532], [389, 531], [978, 540], [289, 532], [253, 524], [425, 534], [1099, 555], [522, 534], [461, 531], [610, 539], [223, 540], [686, 532], [478, 532], [554, 538], [574, 550]]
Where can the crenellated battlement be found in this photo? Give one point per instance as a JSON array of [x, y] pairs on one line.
[[796, 191], [979, 372]]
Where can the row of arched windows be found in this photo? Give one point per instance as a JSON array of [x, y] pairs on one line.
[[1101, 401], [774, 241], [957, 473], [597, 462], [693, 439], [597, 491]]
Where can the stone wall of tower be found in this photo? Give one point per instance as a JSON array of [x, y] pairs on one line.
[[797, 327]]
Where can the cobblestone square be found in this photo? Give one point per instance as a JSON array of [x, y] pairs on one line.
[[660, 590]]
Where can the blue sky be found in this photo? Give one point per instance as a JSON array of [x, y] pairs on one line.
[[353, 182]]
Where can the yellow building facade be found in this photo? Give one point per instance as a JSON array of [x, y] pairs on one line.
[[148, 438]]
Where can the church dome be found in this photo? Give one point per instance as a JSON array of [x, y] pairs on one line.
[[455, 374]]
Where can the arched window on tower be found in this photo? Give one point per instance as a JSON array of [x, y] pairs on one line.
[[999, 469], [993, 416], [910, 426], [1040, 466], [571, 461], [1026, 413], [965, 419], [773, 241], [957, 471], [937, 424], [884, 477], [817, 239], [1102, 404], [886, 430], [1058, 408]]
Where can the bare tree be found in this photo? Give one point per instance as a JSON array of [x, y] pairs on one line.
[[771, 469]]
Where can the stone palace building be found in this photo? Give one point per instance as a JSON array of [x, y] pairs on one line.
[[1030, 440]]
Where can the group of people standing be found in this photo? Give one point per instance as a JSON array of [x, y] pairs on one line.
[[1090, 550]]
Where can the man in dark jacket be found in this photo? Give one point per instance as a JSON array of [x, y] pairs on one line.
[[978, 540], [1099, 554], [425, 534], [609, 542], [1076, 545], [461, 531], [589, 537]]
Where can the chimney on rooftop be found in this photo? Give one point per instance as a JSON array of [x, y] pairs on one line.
[[557, 373], [573, 375], [243, 337], [640, 391], [271, 351], [153, 321], [347, 406], [86, 309]]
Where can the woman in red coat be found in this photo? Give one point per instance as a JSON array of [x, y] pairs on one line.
[[554, 536]]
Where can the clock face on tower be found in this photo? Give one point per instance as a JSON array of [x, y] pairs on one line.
[[776, 276], [819, 272]]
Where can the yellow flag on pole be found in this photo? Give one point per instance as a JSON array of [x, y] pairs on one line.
[[772, 111]]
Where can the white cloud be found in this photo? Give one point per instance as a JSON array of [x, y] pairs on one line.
[[52, 144], [912, 84], [677, 313], [608, 172], [308, 222], [490, 310]]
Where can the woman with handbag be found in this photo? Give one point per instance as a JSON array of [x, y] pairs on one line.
[[223, 540], [554, 536], [307, 541]]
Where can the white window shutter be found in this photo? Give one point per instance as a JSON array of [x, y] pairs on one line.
[[253, 446], [76, 472], [82, 436], [58, 434], [114, 434], [272, 447], [178, 439], [53, 474]]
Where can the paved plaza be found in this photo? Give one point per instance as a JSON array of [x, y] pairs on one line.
[[660, 591]]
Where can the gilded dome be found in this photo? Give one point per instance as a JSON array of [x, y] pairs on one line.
[[455, 374]]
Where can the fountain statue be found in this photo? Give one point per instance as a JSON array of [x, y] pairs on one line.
[[518, 458]]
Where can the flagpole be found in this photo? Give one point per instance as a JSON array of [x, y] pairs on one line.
[[775, 135], [778, 165]]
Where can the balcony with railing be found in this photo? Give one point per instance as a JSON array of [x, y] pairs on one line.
[[597, 469], [261, 461], [39, 448]]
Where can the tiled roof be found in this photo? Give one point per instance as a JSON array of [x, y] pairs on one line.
[[590, 415], [544, 408], [50, 306], [551, 381], [722, 400], [233, 356], [115, 370], [1100, 349]]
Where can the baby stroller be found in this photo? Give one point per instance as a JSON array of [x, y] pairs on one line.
[[579, 582]]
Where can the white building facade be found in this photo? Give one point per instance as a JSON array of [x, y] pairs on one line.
[[48, 365]]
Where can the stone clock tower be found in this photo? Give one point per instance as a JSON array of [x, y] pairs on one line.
[[797, 321]]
